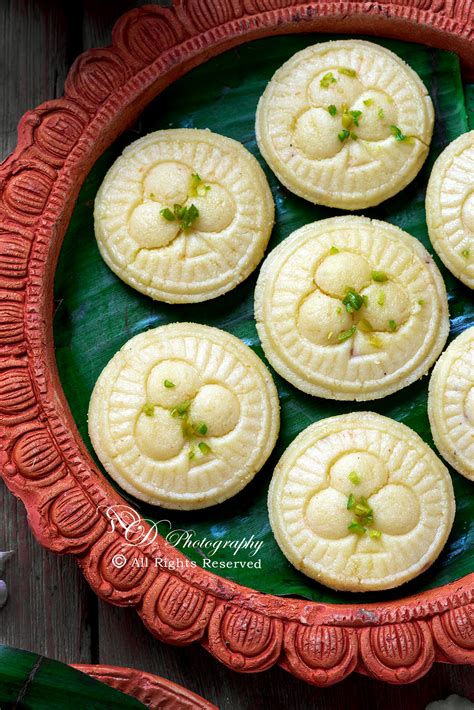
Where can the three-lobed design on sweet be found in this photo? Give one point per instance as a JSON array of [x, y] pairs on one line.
[[345, 124], [199, 410], [184, 415], [184, 215], [360, 502], [351, 308], [175, 201]]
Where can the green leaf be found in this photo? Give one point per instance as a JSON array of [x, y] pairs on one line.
[[28, 680], [97, 313]]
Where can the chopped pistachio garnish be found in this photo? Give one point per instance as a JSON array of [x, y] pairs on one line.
[[167, 214], [362, 511], [381, 114], [392, 325], [368, 102], [466, 253], [339, 310], [375, 341], [181, 409], [204, 448], [327, 80], [365, 298], [200, 428], [168, 384], [421, 301], [357, 528], [354, 478], [148, 409], [354, 136], [346, 334], [343, 135], [365, 326], [188, 216], [334, 250], [332, 110], [396, 132], [346, 120], [184, 406], [355, 116], [379, 276], [191, 454], [185, 215], [353, 301], [375, 533], [197, 186], [381, 298], [347, 72]]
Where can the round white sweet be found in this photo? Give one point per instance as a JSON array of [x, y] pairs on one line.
[[451, 404], [345, 124], [184, 416], [365, 459], [450, 207], [184, 260], [311, 338]]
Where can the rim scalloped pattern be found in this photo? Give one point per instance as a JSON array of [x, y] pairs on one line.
[[42, 457]]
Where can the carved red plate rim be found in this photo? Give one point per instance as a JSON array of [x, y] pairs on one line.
[[151, 690], [44, 461]]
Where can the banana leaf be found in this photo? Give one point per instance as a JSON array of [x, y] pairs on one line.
[[96, 313], [28, 680]]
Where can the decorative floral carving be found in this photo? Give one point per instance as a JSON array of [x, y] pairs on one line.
[[95, 75], [454, 633], [245, 640], [35, 454], [143, 34], [403, 652], [176, 611], [320, 654], [49, 469]]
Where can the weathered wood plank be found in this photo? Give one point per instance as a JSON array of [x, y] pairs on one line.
[[48, 610]]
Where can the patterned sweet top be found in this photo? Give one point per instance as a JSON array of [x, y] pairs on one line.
[[184, 215], [184, 416], [359, 502], [450, 207], [451, 404], [351, 308], [345, 124]]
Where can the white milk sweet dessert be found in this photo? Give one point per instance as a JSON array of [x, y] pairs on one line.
[[451, 404], [359, 502], [184, 215], [450, 207], [345, 124], [184, 416], [351, 308]]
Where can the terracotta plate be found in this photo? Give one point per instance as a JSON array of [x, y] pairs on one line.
[[151, 690], [44, 461]]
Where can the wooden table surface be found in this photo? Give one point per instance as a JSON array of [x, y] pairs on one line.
[[51, 609]]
